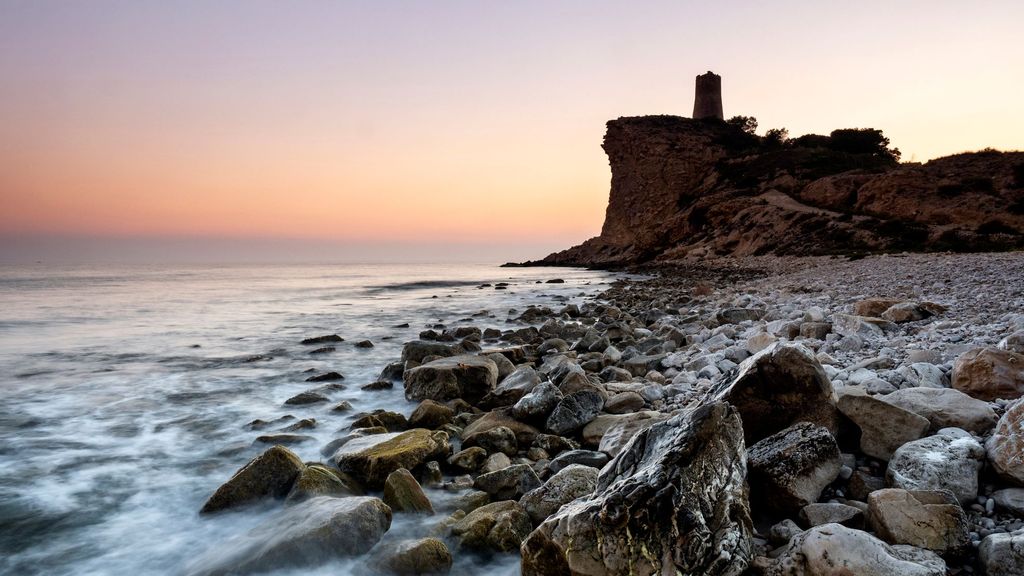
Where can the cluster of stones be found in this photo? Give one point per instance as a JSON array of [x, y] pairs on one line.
[[663, 430]]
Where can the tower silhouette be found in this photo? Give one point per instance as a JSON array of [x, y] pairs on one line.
[[707, 102]]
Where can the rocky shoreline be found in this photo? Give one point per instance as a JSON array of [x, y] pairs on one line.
[[763, 415]]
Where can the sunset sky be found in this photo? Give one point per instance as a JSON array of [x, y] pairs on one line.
[[440, 123]]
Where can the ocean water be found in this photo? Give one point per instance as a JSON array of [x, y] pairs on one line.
[[127, 392]]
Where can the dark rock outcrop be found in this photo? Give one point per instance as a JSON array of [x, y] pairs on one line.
[[703, 187]]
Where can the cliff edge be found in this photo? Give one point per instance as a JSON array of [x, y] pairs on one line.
[[690, 188]]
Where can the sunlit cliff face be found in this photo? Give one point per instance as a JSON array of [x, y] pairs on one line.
[[462, 123]]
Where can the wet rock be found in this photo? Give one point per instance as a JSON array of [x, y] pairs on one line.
[[318, 480], [403, 493], [414, 557], [778, 387], [945, 408], [538, 404], [467, 377], [307, 397], [498, 439], [929, 519], [323, 350], [502, 417], [989, 373], [1002, 554], [582, 457], [554, 444], [364, 344], [308, 534], [950, 460], [1005, 447], [372, 458], [430, 414], [343, 406], [508, 483], [672, 500], [519, 383], [884, 427], [468, 460], [566, 485], [574, 412], [495, 462], [271, 474], [789, 469], [832, 513], [378, 385], [323, 339], [417, 350], [497, 527], [288, 439], [835, 550], [390, 421], [624, 403], [326, 377]]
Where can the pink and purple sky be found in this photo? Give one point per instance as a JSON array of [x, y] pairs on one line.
[[373, 130]]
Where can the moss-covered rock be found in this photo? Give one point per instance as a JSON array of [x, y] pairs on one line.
[[403, 493], [271, 474], [369, 460], [320, 480]]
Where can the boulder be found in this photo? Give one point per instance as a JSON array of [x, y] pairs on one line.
[[905, 312], [403, 493], [989, 373], [538, 404], [1002, 554], [778, 387], [431, 414], [1013, 343], [616, 431], [674, 500], [863, 326], [469, 459], [835, 550], [1010, 500], [370, 459], [496, 527], [568, 484], [789, 469], [884, 427], [271, 474], [496, 439], [583, 457], [414, 557], [513, 387], [945, 408], [950, 460], [574, 412], [319, 480], [929, 519], [417, 350], [508, 483], [831, 512], [873, 306], [500, 418], [466, 376], [1005, 447], [624, 403], [307, 397], [308, 534]]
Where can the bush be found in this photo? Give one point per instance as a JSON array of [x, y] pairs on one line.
[[776, 137], [746, 123], [863, 141]]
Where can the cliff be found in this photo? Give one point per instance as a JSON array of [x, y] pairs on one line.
[[683, 187]]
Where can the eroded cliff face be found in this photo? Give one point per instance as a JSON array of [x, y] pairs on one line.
[[690, 188]]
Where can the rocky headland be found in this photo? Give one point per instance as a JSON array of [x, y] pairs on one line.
[[694, 188], [759, 415]]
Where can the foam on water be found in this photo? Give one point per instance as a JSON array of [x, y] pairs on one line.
[[115, 429]]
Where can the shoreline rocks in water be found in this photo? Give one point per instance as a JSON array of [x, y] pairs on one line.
[[751, 416]]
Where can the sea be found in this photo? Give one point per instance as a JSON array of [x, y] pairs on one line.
[[128, 393]]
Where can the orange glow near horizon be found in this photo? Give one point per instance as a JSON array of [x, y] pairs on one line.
[[453, 122]]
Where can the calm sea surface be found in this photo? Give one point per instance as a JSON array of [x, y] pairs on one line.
[[127, 392]]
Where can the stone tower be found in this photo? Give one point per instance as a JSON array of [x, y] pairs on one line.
[[707, 102]]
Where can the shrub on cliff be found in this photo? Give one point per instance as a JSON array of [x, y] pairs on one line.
[[746, 123], [863, 141]]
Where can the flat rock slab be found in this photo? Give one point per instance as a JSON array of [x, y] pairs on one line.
[[884, 427]]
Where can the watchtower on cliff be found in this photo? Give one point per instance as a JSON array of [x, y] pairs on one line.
[[707, 102]]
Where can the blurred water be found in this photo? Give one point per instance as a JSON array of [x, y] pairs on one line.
[[127, 390]]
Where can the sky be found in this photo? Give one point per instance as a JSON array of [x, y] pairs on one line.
[[426, 129]]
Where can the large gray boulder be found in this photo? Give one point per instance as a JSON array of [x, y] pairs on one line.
[[305, 535], [574, 412], [835, 550], [778, 387], [1002, 554], [513, 387], [1005, 447], [945, 408], [789, 469], [538, 403], [619, 433], [884, 427], [568, 484], [508, 483], [466, 376], [929, 519], [674, 500], [950, 460]]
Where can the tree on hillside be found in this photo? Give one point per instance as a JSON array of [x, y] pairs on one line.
[[746, 123], [863, 141]]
